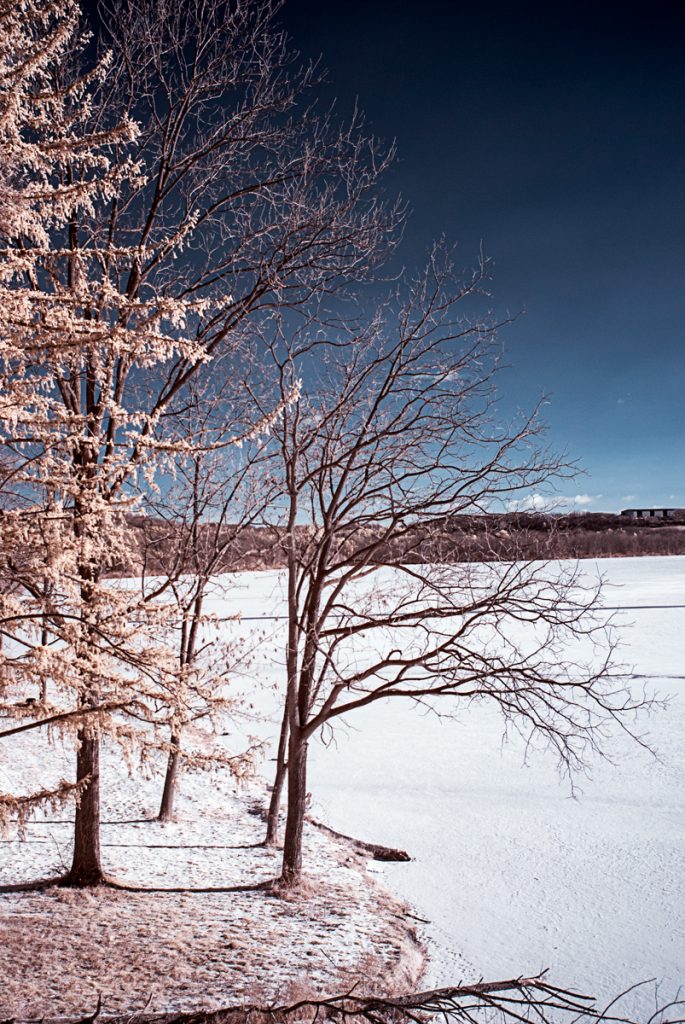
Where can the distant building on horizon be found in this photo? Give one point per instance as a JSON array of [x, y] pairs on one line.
[[654, 513]]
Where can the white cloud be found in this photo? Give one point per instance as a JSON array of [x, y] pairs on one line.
[[551, 502], [629, 497], [531, 503]]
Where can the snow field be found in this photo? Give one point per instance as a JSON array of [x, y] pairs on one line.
[[516, 869], [513, 872]]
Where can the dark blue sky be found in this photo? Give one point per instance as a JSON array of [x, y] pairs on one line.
[[555, 134]]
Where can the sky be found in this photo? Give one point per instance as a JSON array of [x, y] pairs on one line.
[[554, 136]]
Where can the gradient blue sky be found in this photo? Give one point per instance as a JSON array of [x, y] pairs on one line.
[[555, 135]]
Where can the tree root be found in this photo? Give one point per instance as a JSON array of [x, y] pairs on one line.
[[377, 851], [38, 885], [254, 887], [64, 882], [58, 882]]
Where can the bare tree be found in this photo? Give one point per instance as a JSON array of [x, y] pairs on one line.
[[171, 196], [396, 435], [200, 525]]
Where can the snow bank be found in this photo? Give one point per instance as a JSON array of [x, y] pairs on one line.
[[60, 949]]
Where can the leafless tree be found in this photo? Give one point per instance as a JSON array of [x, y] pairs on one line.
[[197, 527], [396, 435]]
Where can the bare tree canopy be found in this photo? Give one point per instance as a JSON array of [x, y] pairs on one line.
[[397, 434]]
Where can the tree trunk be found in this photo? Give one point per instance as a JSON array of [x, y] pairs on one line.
[[281, 770], [44, 637], [166, 810], [297, 800], [86, 869]]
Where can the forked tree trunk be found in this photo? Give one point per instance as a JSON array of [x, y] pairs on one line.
[[297, 804], [86, 869], [166, 809], [276, 793]]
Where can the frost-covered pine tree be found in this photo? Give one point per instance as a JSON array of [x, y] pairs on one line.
[[156, 208], [69, 331]]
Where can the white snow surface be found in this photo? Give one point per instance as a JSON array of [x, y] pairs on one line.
[[61, 949], [513, 872]]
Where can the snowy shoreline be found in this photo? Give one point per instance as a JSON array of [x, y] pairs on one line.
[[62, 949], [513, 874]]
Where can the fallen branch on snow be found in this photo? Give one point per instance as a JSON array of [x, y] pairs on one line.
[[377, 851], [515, 1000]]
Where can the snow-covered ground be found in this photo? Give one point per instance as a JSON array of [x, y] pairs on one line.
[[513, 872], [61, 949]]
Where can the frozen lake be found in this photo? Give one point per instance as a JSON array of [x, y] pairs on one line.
[[514, 873]]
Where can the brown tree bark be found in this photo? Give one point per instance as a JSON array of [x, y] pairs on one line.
[[297, 805], [271, 838], [166, 809], [44, 638], [86, 868]]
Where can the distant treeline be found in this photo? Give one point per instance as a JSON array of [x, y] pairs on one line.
[[539, 535], [464, 538]]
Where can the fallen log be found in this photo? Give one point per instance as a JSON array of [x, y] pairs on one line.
[[376, 851]]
